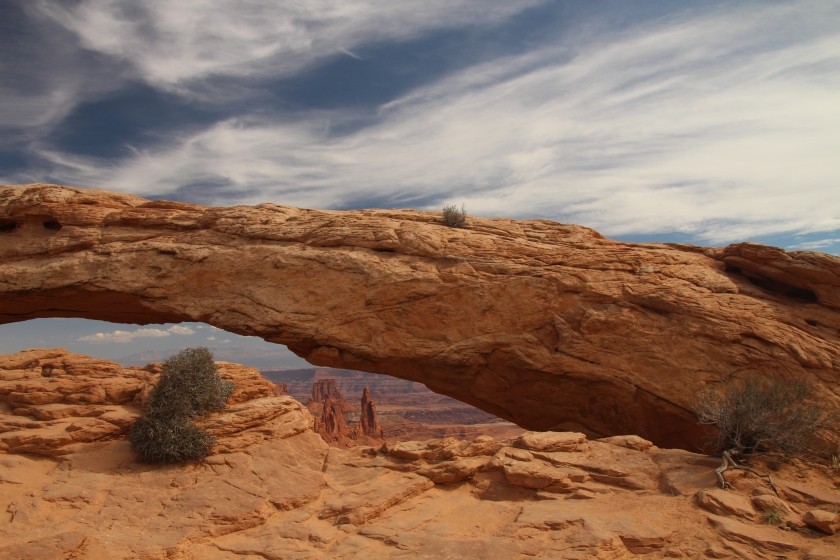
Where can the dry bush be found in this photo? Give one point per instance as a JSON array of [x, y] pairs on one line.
[[189, 387], [169, 439], [757, 415], [453, 217]]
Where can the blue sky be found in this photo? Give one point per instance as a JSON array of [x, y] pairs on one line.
[[703, 122]]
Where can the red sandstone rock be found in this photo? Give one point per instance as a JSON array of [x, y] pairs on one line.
[[753, 536], [722, 502], [330, 410], [331, 423], [826, 521], [274, 489], [546, 324], [324, 389], [406, 410], [368, 423], [54, 402]]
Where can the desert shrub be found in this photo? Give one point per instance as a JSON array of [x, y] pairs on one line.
[[453, 217], [757, 415], [189, 387], [168, 439], [772, 516]]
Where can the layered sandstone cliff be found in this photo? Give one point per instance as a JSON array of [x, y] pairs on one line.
[[548, 325], [55, 402], [272, 488], [405, 410]]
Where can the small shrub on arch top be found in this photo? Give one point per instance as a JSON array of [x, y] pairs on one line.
[[189, 387], [453, 217]]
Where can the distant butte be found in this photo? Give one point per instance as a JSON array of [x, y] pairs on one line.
[[549, 325]]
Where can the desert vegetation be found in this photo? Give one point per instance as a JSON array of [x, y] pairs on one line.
[[455, 217], [189, 388], [772, 516], [755, 416]]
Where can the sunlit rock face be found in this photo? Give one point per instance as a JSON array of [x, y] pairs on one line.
[[272, 488], [54, 402], [549, 325]]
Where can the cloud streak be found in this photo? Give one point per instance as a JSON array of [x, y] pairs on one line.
[[176, 45]]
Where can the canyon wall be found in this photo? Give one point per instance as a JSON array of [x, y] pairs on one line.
[[549, 325], [405, 410], [331, 411]]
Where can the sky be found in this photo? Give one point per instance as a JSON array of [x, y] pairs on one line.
[[704, 122]]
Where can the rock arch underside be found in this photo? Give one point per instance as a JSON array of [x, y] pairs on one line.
[[549, 325]]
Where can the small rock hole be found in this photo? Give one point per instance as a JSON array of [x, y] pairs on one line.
[[7, 226], [811, 322], [53, 225]]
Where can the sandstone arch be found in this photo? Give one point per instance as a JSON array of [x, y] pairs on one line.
[[546, 324]]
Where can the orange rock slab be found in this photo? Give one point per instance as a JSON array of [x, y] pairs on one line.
[[272, 488]]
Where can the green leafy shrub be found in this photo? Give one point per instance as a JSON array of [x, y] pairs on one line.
[[761, 415], [189, 387], [453, 217], [168, 439]]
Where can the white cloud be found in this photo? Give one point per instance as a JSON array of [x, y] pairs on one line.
[[174, 45], [815, 245], [723, 126], [121, 336]]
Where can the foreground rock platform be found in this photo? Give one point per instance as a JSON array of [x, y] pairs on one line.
[[272, 489], [548, 325]]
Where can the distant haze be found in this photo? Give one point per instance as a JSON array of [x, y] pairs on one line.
[[139, 345], [261, 357]]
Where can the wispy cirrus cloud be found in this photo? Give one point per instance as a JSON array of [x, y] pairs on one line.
[[722, 125], [176, 45], [816, 245], [46, 75], [123, 337], [60, 56]]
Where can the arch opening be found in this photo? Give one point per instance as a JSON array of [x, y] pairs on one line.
[[406, 409]]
